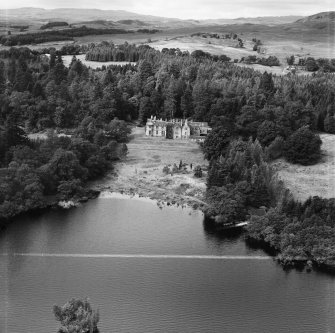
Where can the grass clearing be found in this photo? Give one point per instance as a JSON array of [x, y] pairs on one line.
[[312, 180], [142, 171], [93, 64]]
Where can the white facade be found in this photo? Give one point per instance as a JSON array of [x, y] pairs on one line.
[[155, 127], [158, 127]]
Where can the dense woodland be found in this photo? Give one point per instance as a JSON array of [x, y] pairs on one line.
[[55, 35], [255, 118], [269, 61], [50, 25], [35, 96]]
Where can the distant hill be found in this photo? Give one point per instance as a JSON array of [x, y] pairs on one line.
[[75, 15], [322, 23], [328, 17], [266, 20], [78, 14]]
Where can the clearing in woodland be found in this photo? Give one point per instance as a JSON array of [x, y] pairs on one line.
[[141, 172], [312, 180]]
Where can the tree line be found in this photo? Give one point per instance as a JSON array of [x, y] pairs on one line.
[[312, 65], [108, 51], [56, 35], [54, 24]]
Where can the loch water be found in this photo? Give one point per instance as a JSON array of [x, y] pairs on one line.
[[151, 269]]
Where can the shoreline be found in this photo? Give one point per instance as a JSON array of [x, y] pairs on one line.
[[51, 204], [159, 197], [307, 264], [141, 175]]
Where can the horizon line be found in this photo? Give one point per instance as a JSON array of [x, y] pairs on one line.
[[168, 17]]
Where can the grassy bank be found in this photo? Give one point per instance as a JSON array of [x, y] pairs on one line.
[[142, 171]]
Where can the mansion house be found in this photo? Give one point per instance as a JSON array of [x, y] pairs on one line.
[[176, 129]]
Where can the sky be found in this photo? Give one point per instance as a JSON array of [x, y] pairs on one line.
[[187, 9]]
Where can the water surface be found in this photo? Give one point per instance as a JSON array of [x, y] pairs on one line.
[[151, 294]]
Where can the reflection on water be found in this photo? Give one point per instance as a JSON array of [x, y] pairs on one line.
[[152, 294]]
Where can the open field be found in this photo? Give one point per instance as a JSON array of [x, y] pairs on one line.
[[275, 70], [272, 44], [280, 41], [314, 180], [279, 45], [211, 45], [93, 64], [141, 172], [281, 36]]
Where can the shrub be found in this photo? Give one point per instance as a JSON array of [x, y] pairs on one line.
[[303, 147], [166, 170], [198, 171], [175, 168]]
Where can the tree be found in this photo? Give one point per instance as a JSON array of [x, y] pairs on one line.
[[201, 99], [275, 149], [303, 147], [329, 123], [228, 206], [38, 90], [77, 316], [169, 131], [266, 83], [52, 60], [2, 77], [170, 101], [118, 130], [156, 100], [64, 165], [23, 78], [240, 43], [63, 118], [267, 132], [186, 103], [146, 110], [311, 65], [145, 70], [70, 188], [290, 60], [13, 135], [248, 121], [216, 143]]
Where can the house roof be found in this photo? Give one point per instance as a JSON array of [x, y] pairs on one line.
[[177, 123]]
